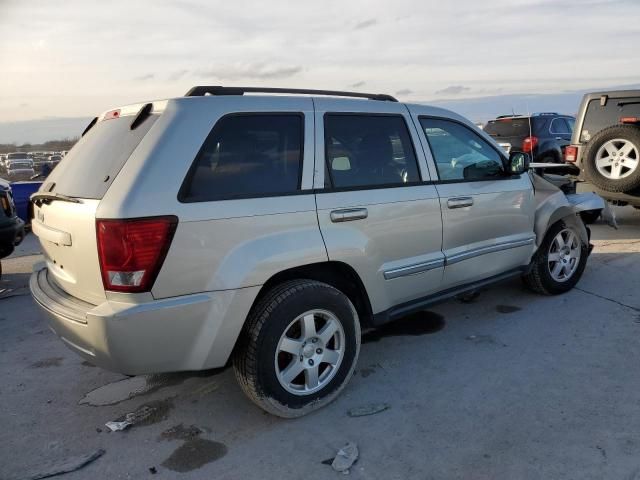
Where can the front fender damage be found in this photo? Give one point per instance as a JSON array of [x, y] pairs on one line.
[[552, 205]]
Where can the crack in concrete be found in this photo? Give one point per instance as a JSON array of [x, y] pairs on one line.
[[635, 309], [607, 244]]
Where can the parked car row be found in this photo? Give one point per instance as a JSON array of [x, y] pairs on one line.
[[601, 148]]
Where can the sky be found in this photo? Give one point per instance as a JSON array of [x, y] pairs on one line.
[[76, 58]]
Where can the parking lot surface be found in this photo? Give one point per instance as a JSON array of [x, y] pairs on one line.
[[511, 385]]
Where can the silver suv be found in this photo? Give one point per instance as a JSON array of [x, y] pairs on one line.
[[272, 229]]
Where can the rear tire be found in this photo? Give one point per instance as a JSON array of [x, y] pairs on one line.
[[559, 262], [612, 158], [298, 348]]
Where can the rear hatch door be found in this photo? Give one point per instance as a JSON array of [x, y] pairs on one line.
[[64, 214], [509, 131]]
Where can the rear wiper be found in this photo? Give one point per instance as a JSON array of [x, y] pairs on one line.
[[44, 197]]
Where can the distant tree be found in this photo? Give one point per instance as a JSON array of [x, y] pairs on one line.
[[49, 146]]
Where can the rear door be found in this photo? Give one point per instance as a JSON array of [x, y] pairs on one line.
[[487, 215], [376, 209], [66, 228]]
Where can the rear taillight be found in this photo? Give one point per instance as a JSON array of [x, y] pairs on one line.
[[570, 153], [132, 251], [529, 143], [629, 120]]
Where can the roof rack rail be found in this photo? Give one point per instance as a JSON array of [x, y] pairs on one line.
[[200, 91]]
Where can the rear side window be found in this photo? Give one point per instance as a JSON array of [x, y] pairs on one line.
[[90, 167], [369, 150], [598, 117], [248, 155], [559, 126]]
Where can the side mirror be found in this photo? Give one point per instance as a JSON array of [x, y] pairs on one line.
[[518, 163]]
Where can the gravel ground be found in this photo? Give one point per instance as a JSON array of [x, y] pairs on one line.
[[513, 385]]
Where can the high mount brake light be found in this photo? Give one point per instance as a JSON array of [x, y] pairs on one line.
[[132, 251], [112, 114]]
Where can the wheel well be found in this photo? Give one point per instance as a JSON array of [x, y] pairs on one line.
[[337, 274]]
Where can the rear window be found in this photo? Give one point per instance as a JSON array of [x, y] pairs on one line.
[[598, 117], [90, 167], [17, 156], [248, 155], [508, 127]]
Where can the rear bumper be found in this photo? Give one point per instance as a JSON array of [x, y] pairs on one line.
[[192, 332]]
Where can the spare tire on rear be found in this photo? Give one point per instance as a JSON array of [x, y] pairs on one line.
[[611, 160]]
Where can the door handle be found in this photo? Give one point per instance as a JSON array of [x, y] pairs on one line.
[[348, 214], [460, 202]]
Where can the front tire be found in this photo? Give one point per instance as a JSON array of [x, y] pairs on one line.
[[559, 262], [298, 348]]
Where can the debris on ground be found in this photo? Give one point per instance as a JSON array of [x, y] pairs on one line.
[[153, 470], [345, 458], [370, 409], [118, 426], [130, 419], [147, 414], [68, 465], [180, 432]]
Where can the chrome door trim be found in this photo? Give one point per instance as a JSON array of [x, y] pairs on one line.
[[459, 257], [413, 269]]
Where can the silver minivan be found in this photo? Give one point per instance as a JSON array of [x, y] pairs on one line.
[[271, 229]]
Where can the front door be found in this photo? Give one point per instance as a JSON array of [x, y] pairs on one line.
[[487, 214]]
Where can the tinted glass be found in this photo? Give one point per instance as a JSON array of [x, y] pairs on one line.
[[460, 153], [559, 126], [369, 150], [17, 156], [248, 156], [508, 127], [92, 164], [598, 117]]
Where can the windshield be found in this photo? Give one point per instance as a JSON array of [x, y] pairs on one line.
[[19, 165]]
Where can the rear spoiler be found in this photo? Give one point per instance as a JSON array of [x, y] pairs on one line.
[[141, 111]]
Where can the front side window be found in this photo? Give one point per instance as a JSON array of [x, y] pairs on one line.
[[460, 153], [369, 150], [248, 155]]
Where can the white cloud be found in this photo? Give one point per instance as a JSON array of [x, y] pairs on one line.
[[80, 57]]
